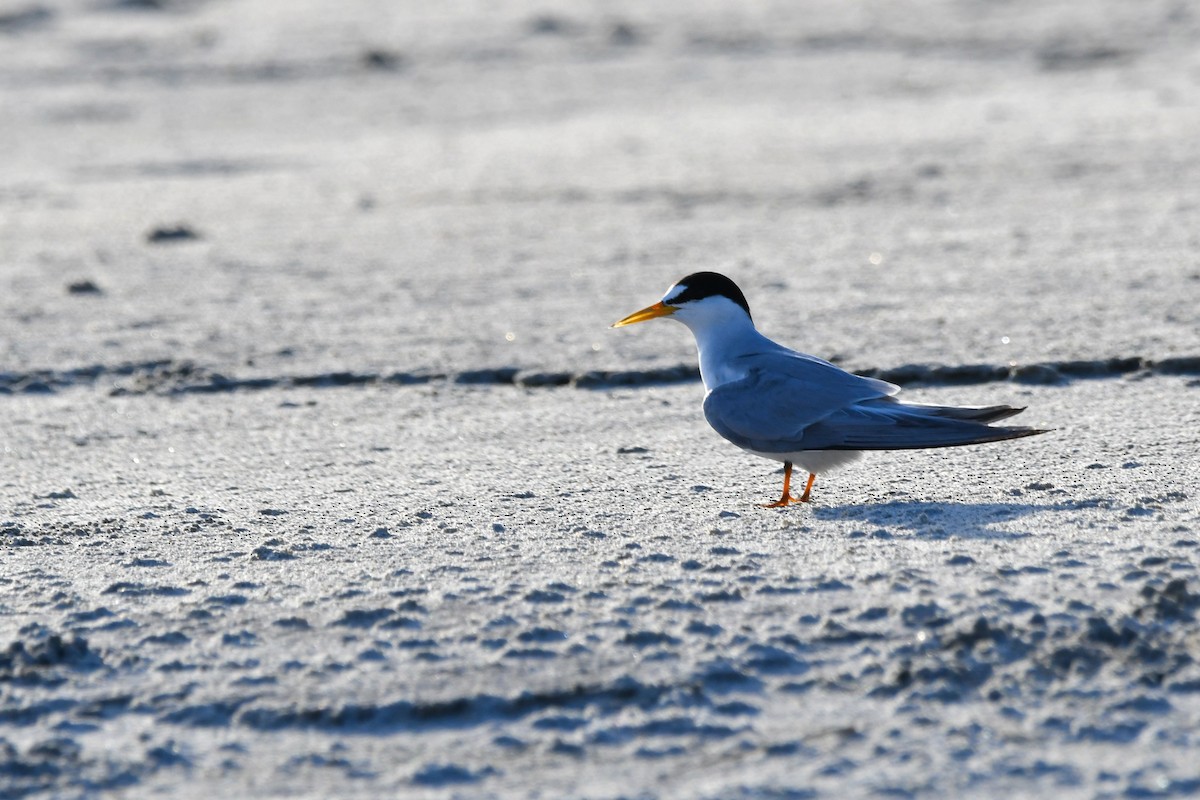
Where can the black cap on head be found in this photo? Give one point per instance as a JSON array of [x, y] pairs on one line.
[[700, 285]]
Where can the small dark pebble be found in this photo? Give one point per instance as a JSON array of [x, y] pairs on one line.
[[179, 233], [383, 60], [549, 24], [84, 287]]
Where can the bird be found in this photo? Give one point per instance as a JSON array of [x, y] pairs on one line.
[[788, 406]]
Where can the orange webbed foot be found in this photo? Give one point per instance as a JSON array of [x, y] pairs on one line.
[[786, 499]]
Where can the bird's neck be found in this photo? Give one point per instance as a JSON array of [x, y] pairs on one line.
[[720, 347]]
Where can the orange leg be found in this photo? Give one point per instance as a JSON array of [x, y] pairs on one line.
[[807, 488], [786, 498]]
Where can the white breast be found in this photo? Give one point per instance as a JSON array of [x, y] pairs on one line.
[[814, 461]]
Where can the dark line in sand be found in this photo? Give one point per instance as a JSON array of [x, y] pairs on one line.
[[183, 377]]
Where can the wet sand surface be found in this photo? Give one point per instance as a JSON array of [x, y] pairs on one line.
[[324, 477]]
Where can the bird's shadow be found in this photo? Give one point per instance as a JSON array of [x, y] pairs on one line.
[[928, 520]]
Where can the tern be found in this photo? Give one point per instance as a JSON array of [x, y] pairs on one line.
[[799, 409]]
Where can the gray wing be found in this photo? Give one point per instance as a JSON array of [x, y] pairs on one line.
[[790, 406], [783, 395], [887, 424]]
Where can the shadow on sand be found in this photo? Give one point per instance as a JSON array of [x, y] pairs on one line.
[[938, 520]]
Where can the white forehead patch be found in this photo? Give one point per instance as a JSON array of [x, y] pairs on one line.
[[673, 293]]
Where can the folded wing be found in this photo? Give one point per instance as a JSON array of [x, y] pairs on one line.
[[788, 405]]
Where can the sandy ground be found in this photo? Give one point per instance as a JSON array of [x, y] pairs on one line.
[[323, 476]]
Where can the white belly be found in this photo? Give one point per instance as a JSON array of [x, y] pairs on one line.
[[814, 461]]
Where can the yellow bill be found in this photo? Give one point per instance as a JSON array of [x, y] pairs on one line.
[[659, 309]]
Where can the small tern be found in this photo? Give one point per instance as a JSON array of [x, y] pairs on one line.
[[799, 409]]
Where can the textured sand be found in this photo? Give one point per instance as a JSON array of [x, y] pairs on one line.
[[322, 475]]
